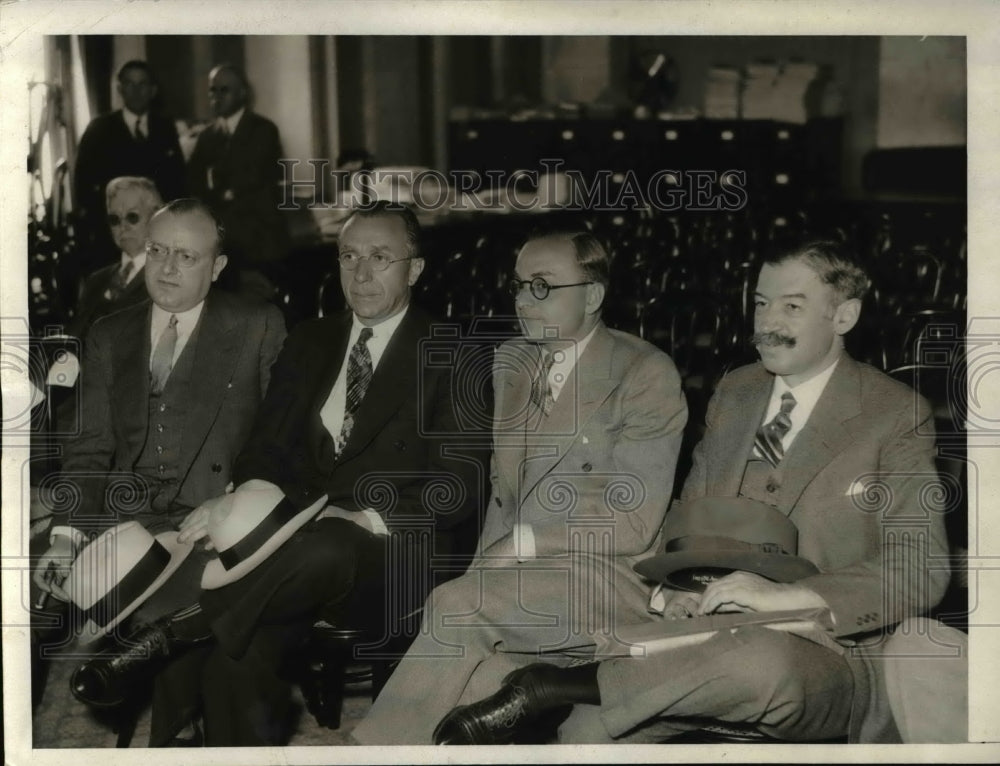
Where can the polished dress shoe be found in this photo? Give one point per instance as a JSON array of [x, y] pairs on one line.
[[510, 716], [107, 679]]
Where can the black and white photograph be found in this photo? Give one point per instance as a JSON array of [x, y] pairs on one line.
[[502, 381]]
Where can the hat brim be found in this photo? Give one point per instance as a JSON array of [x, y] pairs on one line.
[[780, 568], [91, 631], [216, 575]]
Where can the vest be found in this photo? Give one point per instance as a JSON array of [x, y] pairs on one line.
[[761, 482], [160, 460]]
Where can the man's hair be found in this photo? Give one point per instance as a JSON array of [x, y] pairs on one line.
[[388, 209], [227, 66], [834, 263], [135, 64], [188, 206], [591, 256], [126, 183]]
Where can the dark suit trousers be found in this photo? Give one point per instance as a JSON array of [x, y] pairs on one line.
[[330, 569]]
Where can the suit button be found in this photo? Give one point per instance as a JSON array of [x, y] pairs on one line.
[[399, 444], [161, 468], [159, 428], [771, 486], [163, 408], [587, 467], [216, 467], [159, 450]]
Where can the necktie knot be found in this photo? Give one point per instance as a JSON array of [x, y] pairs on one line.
[[768, 442]]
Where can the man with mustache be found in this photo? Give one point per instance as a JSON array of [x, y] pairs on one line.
[[846, 453], [587, 427]]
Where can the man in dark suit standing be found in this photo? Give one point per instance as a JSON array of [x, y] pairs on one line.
[[132, 141], [234, 168], [170, 388], [353, 412], [846, 453], [131, 202]]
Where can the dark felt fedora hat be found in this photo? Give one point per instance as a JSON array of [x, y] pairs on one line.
[[712, 536]]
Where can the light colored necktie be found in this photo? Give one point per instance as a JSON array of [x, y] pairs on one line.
[[163, 357], [359, 375], [769, 435]]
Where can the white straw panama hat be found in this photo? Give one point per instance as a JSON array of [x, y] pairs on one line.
[[249, 525], [114, 574]]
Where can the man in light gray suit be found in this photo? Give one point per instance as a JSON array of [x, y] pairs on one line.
[[587, 427]]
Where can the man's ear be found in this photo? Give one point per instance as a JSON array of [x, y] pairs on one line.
[[595, 297], [416, 269], [218, 265], [846, 316]]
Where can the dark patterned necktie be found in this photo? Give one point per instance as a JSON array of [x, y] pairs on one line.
[[541, 391], [163, 357], [139, 134], [769, 435], [359, 375]]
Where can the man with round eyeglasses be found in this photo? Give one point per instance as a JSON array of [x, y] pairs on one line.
[[587, 427]]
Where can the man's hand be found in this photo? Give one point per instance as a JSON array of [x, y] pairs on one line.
[[53, 568], [195, 525], [746, 592], [682, 606]]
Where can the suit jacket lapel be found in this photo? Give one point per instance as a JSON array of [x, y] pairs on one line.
[[320, 440], [131, 383], [824, 435], [217, 350], [736, 428], [591, 382], [384, 395]]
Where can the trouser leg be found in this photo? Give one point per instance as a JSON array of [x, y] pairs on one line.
[[788, 687]]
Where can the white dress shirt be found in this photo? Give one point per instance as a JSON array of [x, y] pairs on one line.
[[186, 321], [332, 412], [233, 120], [134, 263], [131, 118], [806, 395]]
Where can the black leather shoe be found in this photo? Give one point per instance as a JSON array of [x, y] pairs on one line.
[[511, 715], [105, 680]]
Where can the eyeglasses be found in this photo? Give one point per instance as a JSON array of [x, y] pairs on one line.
[[377, 261], [157, 253], [130, 218], [540, 289]]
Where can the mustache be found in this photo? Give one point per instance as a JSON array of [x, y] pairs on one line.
[[772, 339]]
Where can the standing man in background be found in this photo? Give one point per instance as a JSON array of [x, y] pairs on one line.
[[132, 141], [234, 169]]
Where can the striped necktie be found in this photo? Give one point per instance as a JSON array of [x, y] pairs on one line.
[[359, 375], [163, 357], [769, 435], [540, 384]]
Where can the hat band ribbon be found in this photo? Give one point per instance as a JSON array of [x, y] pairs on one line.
[[715, 543], [267, 528], [131, 586]]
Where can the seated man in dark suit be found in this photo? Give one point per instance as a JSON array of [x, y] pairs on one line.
[[131, 202], [234, 168], [170, 388], [132, 141], [846, 453], [352, 412]]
